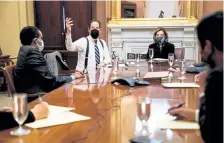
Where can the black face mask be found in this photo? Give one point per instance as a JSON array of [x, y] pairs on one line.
[[209, 60], [94, 33]]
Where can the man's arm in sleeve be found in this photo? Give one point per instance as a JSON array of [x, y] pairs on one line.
[[107, 58], [78, 45], [211, 111], [7, 120], [43, 75]]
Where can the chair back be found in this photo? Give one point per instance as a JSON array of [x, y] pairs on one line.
[[8, 73], [0, 50], [179, 53]]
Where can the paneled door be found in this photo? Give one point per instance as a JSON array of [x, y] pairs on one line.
[[48, 18], [50, 15], [81, 14]]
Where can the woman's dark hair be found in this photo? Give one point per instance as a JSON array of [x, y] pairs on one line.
[[164, 31], [28, 33]]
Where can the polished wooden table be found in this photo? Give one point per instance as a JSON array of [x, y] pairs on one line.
[[112, 109]]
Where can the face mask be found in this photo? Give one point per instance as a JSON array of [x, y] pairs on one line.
[[210, 60], [160, 39], [94, 34], [40, 46]]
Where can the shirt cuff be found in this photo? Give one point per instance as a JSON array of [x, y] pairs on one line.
[[201, 94], [68, 37], [73, 77], [197, 115]]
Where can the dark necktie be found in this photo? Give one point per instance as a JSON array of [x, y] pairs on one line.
[[97, 75], [97, 54]]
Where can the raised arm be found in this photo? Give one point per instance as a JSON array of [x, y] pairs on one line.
[[72, 46]]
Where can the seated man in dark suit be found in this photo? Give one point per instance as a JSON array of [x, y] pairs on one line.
[[39, 111], [32, 74]]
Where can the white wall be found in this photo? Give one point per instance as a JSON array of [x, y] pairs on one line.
[[153, 8]]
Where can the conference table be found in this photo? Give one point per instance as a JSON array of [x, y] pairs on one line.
[[112, 109]]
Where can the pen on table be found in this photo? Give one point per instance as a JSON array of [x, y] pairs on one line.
[[175, 107]]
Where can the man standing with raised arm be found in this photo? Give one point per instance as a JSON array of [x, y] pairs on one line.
[[92, 51]]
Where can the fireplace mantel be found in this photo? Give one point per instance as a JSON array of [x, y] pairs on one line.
[[126, 39]]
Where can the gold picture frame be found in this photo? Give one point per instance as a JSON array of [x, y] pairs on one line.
[[192, 11]]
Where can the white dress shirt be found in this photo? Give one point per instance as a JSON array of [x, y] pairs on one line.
[[80, 45]]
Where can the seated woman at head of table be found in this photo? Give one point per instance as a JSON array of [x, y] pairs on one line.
[[161, 46]]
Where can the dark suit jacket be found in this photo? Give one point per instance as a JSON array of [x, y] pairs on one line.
[[166, 49], [7, 120], [32, 74], [211, 108]]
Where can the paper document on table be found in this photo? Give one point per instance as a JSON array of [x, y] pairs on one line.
[[57, 119], [57, 115], [167, 122], [180, 85], [156, 75]]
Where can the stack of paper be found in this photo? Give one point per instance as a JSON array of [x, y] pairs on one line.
[[180, 85], [168, 122], [57, 116], [156, 75]]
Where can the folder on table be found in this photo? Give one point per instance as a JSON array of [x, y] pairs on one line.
[[156, 75], [180, 85]]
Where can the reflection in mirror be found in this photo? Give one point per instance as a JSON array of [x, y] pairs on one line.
[[153, 9]]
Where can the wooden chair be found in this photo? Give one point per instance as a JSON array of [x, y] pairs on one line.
[[179, 53], [8, 73], [5, 59]]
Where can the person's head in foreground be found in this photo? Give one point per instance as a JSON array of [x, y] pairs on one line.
[[210, 39], [32, 36]]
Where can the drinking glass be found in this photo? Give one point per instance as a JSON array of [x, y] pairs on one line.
[[171, 59], [115, 64], [137, 57], [143, 110], [182, 67], [115, 67], [20, 113], [151, 54]]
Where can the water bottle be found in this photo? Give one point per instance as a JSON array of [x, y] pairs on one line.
[[115, 64]]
